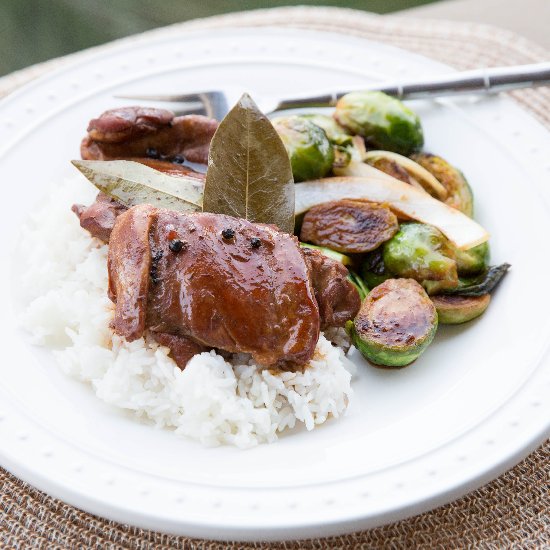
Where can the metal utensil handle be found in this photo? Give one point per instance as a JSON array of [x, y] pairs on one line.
[[487, 80], [484, 80]]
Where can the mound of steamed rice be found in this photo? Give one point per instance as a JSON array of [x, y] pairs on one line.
[[213, 400]]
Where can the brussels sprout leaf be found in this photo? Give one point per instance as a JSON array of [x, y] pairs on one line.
[[359, 284], [483, 284]]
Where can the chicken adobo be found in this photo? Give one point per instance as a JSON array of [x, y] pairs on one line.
[[134, 131], [202, 280], [221, 282]]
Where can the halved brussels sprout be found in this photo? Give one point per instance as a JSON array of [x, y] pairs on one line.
[[342, 157], [310, 151], [349, 226], [453, 310], [472, 261], [346, 146], [345, 154], [396, 323], [342, 258], [336, 134], [384, 122], [422, 252], [459, 192]]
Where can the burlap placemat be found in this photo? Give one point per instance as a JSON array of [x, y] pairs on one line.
[[512, 511]]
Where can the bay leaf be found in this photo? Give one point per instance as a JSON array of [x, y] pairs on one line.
[[132, 183], [249, 173]]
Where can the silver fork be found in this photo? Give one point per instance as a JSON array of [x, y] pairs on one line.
[[217, 103]]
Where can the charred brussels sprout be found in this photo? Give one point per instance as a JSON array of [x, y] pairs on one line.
[[472, 261], [383, 121], [310, 151], [395, 324], [453, 310], [459, 192], [349, 226], [421, 252]]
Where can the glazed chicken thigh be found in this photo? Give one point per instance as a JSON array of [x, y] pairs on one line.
[[336, 297], [218, 281]]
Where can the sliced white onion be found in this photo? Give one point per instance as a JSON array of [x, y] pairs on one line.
[[428, 181], [401, 197]]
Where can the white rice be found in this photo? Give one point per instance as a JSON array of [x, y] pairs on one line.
[[213, 401]]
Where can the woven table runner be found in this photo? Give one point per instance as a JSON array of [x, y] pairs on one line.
[[511, 512]]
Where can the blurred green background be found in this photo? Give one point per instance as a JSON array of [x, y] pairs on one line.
[[35, 30]]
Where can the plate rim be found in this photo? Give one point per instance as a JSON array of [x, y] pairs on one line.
[[283, 532]]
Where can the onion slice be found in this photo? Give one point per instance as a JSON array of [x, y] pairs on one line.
[[403, 199], [426, 179]]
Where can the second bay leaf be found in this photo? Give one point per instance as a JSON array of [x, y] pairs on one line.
[[132, 183]]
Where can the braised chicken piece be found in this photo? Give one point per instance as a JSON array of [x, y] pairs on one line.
[[349, 225], [99, 218], [169, 168], [336, 296], [218, 281], [125, 123], [133, 131], [182, 348]]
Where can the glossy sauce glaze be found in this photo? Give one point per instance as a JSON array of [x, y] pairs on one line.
[[227, 293]]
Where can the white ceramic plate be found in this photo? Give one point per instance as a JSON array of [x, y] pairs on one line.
[[472, 406]]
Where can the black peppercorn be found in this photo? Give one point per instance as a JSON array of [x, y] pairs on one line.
[[175, 245], [178, 159], [228, 233], [152, 153], [155, 259], [255, 242], [157, 256]]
